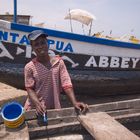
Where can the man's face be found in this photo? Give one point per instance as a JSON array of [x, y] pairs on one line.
[[40, 46]]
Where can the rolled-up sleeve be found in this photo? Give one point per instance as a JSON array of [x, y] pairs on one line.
[[64, 76], [28, 76]]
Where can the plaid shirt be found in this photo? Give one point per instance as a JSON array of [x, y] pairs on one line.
[[47, 83]]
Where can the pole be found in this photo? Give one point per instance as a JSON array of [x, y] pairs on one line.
[[15, 11], [70, 21], [83, 28], [90, 28]]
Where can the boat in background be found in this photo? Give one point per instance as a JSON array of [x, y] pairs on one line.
[[97, 66], [125, 38]]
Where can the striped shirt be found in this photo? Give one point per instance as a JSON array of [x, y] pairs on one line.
[[47, 83]]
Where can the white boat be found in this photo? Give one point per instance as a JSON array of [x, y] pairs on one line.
[[96, 65]]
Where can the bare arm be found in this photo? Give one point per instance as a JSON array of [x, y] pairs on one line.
[[67, 86], [71, 95], [78, 105], [35, 100], [29, 84]]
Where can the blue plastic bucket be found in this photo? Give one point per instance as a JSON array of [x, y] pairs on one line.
[[13, 114]]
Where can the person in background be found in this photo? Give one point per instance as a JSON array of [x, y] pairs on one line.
[[45, 77]]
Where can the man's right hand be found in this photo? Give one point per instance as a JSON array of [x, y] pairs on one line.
[[40, 108]]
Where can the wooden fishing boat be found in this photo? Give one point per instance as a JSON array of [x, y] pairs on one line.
[[67, 123], [97, 65]]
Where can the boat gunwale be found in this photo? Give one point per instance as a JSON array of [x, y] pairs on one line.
[[77, 37]]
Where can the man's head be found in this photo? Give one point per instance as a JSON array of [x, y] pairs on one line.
[[38, 41], [35, 34]]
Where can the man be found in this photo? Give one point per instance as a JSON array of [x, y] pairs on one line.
[[45, 76]]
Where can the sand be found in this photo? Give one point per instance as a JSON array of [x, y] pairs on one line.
[[9, 94]]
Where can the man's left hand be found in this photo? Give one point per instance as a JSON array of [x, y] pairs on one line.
[[81, 106]]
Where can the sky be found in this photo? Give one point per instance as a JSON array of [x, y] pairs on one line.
[[119, 16]]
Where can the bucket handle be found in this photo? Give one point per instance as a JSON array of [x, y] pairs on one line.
[[23, 110]]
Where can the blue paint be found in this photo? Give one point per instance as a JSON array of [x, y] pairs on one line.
[[59, 45], [12, 110], [15, 11], [3, 35], [50, 42], [17, 38], [14, 36], [72, 36], [68, 48], [24, 40]]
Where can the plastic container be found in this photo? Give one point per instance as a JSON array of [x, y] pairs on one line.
[[13, 115]]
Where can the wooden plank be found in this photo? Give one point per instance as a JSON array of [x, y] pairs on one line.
[[15, 133], [123, 112], [130, 121], [103, 127], [63, 124], [51, 130], [105, 107], [52, 121], [58, 126], [70, 137]]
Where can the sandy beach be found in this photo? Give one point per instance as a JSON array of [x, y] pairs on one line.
[[9, 93]]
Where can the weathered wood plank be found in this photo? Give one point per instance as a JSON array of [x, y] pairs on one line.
[[51, 130], [103, 127], [130, 121], [14, 134], [123, 112], [52, 121], [128, 117], [69, 137], [105, 107], [63, 124]]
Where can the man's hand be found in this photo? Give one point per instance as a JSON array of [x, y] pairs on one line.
[[78, 105], [39, 108], [81, 106]]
